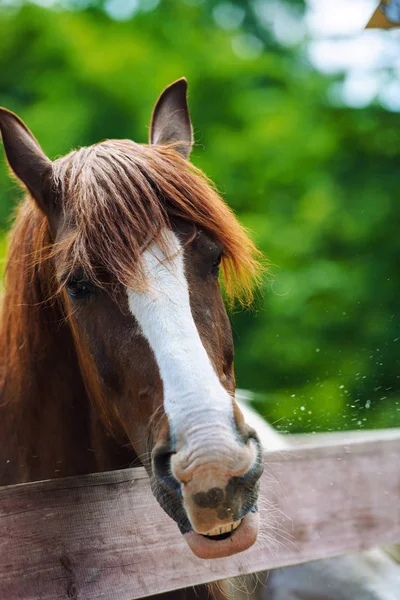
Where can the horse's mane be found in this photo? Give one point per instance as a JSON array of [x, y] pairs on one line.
[[119, 195], [26, 318]]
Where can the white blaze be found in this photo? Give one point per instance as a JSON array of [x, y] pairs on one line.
[[194, 399]]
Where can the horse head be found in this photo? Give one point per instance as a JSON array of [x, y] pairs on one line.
[[137, 240]]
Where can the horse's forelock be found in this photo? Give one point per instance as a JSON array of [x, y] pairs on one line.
[[117, 198]]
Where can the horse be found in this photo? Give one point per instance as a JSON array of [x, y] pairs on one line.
[[115, 344], [116, 347]]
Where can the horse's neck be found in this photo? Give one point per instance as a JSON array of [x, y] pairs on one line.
[[48, 426]]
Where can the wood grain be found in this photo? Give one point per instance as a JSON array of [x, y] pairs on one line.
[[104, 536]]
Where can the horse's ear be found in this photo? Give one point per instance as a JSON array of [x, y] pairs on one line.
[[170, 122], [26, 158]]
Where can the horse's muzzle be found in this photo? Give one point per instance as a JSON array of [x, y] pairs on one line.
[[217, 494]]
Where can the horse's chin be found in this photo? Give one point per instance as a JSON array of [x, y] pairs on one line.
[[239, 540]]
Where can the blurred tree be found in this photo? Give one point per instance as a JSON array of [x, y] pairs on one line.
[[315, 184]]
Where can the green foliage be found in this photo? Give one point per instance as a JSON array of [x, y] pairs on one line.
[[316, 185]]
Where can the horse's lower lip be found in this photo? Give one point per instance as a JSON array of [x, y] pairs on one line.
[[241, 538]]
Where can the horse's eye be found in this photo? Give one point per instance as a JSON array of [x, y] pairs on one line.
[[78, 288], [216, 264]]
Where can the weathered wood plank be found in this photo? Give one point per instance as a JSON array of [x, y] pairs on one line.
[[104, 536], [341, 437]]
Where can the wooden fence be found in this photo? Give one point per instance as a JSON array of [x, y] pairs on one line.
[[104, 536]]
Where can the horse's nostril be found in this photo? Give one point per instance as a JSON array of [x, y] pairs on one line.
[[250, 436], [161, 459]]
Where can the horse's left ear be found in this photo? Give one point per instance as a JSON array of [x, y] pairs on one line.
[[170, 123], [26, 158]]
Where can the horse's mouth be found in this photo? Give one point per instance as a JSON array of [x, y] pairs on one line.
[[240, 536], [222, 533]]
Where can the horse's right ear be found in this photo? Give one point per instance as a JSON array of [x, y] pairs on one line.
[[170, 122], [26, 159]]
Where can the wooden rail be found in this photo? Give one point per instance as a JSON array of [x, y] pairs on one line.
[[104, 536]]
